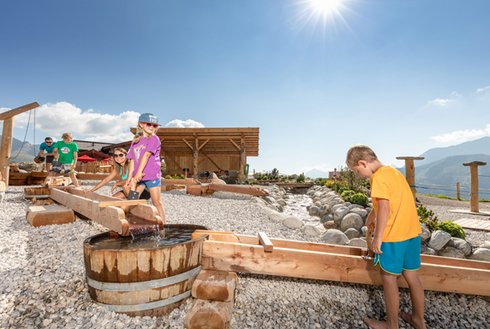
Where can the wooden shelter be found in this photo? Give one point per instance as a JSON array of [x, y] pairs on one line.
[[208, 149]]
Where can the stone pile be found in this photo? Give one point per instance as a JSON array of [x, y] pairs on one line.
[[343, 223]]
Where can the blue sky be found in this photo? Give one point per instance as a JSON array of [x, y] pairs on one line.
[[401, 76]]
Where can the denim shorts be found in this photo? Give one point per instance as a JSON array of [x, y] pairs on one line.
[[399, 256], [150, 183]]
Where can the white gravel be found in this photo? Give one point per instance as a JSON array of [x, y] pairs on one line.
[[43, 278]]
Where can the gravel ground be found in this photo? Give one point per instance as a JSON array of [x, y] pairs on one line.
[[43, 277]]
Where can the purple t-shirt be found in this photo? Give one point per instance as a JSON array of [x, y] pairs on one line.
[[137, 150]]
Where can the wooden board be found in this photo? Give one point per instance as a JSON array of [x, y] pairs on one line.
[[49, 215], [206, 314], [474, 224], [215, 285], [336, 263]]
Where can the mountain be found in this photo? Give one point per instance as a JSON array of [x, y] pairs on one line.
[[27, 151], [316, 173], [478, 146]]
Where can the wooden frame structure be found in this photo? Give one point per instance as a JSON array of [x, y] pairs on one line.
[[8, 127], [226, 251], [410, 172], [208, 149]]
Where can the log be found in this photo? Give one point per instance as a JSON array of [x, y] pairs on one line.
[[206, 314], [121, 203], [242, 189], [49, 215], [215, 285]]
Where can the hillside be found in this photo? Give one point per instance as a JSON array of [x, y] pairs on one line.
[[479, 146], [27, 153]]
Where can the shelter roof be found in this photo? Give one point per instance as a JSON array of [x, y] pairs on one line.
[[88, 145]]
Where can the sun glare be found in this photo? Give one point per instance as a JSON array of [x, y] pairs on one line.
[[325, 7], [323, 12]]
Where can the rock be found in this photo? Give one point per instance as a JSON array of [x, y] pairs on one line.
[[364, 230], [314, 230], [439, 239], [282, 202], [314, 211], [292, 222], [352, 233], [425, 232], [273, 214], [480, 254], [326, 218], [324, 210], [360, 211], [334, 236], [485, 244], [339, 213], [462, 245], [356, 242], [351, 220], [335, 207], [329, 224], [427, 250], [269, 199], [451, 252]]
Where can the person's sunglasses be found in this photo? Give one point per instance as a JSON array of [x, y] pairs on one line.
[[151, 125], [119, 155], [48, 142]]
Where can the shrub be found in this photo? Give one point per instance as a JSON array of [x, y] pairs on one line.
[[329, 183], [427, 217], [452, 228], [347, 194], [359, 198], [301, 178]]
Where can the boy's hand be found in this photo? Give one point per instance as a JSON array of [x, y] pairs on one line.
[[376, 245]]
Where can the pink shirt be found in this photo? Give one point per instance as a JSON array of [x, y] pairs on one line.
[[151, 144]]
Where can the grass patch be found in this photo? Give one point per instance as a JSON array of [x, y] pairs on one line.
[[442, 196]]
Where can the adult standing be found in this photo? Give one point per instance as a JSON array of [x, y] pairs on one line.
[[66, 152], [46, 150]]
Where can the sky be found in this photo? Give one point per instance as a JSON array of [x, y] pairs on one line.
[[316, 76]]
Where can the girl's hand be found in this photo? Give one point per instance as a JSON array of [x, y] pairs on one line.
[[138, 177]]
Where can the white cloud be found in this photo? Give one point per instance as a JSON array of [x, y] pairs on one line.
[[440, 102], [460, 136], [184, 124], [55, 119], [483, 90]]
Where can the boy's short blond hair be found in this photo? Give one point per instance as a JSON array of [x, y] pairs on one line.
[[359, 152], [67, 136]]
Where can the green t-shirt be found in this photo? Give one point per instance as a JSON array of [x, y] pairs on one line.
[[66, 151]]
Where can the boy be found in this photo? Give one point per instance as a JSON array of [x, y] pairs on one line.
[[396, 240], [66, 152]]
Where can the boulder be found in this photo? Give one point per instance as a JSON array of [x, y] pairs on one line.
[[314, 211], [480, 254], [329, 224], [364, 230], [326, 218], [351, 220], [314, 230], [356, 242], [282, 202], [339, 213], [360, 211], [427, 250], [334, 236], [352, 233], [451, 252], [335, 207], [292, 222], [439, 239], [425, 232], [485, 244], [462, 245]]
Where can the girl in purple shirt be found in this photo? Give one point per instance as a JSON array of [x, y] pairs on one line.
[[144, 164]]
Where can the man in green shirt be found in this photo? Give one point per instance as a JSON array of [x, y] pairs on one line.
[[66, 153]]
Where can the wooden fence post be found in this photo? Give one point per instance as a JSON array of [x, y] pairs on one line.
[[474, 206], [410, 172], [458, 191]]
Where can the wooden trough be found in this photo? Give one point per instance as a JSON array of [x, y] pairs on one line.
[[244, 253]]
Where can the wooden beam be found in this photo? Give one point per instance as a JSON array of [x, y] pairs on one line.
[[18, 110], [234, 144], [243, 189], [474, 199], [188, 144], [203, 144], [122, 203], [265, 242], [49, 215], [227, 256], [6, 149], [215, 285]]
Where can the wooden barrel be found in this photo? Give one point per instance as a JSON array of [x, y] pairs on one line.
[[142, 281]]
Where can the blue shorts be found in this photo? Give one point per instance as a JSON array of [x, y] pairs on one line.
[[150, 183], [399, 256]]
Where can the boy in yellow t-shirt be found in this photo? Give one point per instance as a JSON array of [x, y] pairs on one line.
[[396, 241]]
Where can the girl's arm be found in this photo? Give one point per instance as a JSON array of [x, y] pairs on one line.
[[104, 181], [144, 160], [130, 172]]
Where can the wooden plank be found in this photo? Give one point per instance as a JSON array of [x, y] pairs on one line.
[[18, 110], [121, 203], [209, 315], [145, 211], [242, 189], [226, 256], [265, 242], [49, 215]]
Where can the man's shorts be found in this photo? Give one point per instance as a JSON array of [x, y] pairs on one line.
[[150, 183], [399, 256]]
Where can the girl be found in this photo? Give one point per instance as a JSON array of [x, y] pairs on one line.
[[120, 170], [144, 164]]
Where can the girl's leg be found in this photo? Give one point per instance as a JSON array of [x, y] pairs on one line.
[[119, 195], [155, 194]]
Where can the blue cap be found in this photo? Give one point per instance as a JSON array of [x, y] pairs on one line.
[[148, 117]]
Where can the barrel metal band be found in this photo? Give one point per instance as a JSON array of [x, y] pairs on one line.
[[136, 286], [147, 306]]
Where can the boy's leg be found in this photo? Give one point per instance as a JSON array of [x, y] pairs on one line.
[[74, 179], [392, 301], [416, 319]]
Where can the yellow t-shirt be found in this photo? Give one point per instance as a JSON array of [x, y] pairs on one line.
[[403, 223]]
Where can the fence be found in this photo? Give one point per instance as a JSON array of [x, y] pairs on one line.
[[94, 167]]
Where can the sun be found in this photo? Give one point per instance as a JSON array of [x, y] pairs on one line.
[[326, 8], [323, 12]]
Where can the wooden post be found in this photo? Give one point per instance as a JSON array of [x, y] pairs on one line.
[[243, 160], [458, 191], [195, 157], [410, 172], [474, 206], [6, 150]]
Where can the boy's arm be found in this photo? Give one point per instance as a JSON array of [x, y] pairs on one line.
[[144, 160], [381, 221]]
